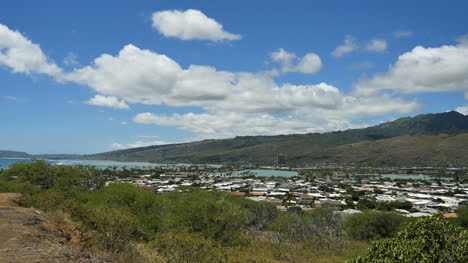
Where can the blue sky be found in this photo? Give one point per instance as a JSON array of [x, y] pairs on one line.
[[93, 76]]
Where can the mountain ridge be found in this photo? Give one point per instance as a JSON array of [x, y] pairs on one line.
[[13, 154], [311, 147], [407, 138]]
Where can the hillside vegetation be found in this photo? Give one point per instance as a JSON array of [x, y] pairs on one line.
[[91, 222], [126, 223], [424, 139]]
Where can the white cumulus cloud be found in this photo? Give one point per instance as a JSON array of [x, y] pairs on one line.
[[230, 124], [225, 124], [120, 146], [230, 103], [422, 70], [191, 24], [23, 56], [348, 46], [107, 101], [233, 103], [290, 62]]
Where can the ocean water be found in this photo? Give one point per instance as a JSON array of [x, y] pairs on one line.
[[103, 164], [4, 163], [100, 164], [405, 176]]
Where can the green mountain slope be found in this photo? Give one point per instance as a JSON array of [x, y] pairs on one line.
[[427, 150], [13, 154], [314, 147]]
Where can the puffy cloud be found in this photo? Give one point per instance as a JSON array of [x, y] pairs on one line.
[[309, 64], [290, 109], [286, 59], [377, 45], [347, 47], [233, 103], [189, 25], [109, 101], [142, 76], [402, 33], [133, 74], [120, 146], [463, 110], [423, 69], [21, 55], [229, 124], [225, 124]]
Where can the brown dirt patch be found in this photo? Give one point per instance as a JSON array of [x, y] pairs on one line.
[[9, 199], [27, 236]]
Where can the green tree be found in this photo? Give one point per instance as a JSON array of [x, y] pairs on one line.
[[427, 240], [38, 172], [186, 248], [366, 204], [319, 223], [115, 227], [372, 225], [463, 216]]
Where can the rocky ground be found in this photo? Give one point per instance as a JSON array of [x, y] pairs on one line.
[[27, 236]]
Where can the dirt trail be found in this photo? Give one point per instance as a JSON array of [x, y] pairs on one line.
[[27, 236]]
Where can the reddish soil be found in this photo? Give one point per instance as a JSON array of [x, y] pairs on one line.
[[27, 236]]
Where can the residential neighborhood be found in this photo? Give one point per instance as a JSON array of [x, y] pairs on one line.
[[346, 192]]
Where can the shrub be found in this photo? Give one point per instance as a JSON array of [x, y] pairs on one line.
[[372, 225], [17, 186], [462, 219], [427, 240], [114, 227], [319, 223]]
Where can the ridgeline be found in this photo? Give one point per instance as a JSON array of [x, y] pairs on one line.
[[428, 139]]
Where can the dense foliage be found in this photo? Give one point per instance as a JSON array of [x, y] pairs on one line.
[[372, 225], [428, 240], [126, 223], [134, 224], [462, 219], [365, 203]]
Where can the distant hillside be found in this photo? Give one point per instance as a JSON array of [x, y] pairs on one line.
[[427, 150], [13, 154], [417, 137]]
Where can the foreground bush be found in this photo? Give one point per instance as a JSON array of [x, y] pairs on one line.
[[126, 223], [427, 240], [372, 225], [462, 219]]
